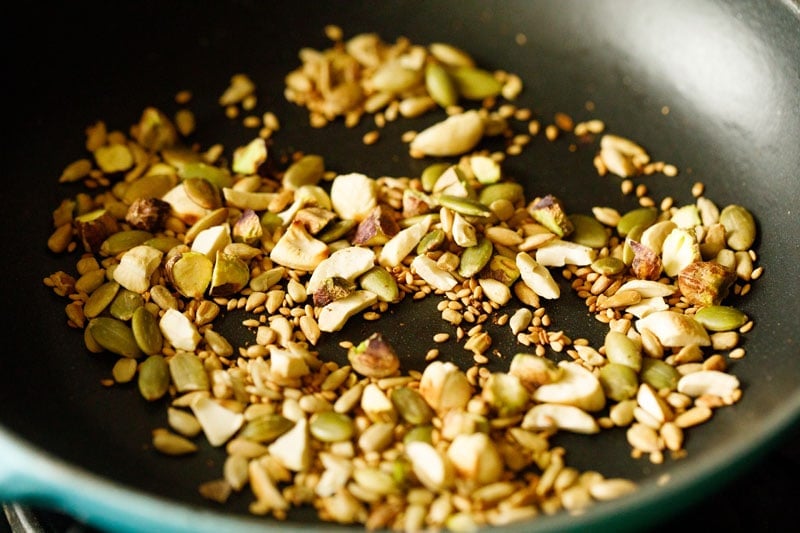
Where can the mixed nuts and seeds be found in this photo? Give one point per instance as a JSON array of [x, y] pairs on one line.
[[170, 238]]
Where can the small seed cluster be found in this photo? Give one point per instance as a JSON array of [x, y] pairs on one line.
[[173, 238]]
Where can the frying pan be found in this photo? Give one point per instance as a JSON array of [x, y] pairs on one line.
[[728, 73]]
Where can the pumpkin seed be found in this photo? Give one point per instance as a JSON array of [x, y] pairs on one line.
[[475, 258], [440, 85], [619, 381], [622, 350], [608, 265], [474, 83], [114, 336], [146, 331], [100, 299], [217, 176], [641, 217], [659, 374], [464, 206], [266, 428], [587, 231], [720, 318], [308, 170], [411, 406], [123, 241], [330, 426], [188, 373], [125, 303], [154, 378], [432, 241], [509, 191], [203, 193]]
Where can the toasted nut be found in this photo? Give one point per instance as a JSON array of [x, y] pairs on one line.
[[740, 227], [454, 136], [547, 416]]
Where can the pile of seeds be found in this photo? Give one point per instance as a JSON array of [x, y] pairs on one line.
[[173, 238]]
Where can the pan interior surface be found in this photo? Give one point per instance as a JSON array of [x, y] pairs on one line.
[[712, 87]]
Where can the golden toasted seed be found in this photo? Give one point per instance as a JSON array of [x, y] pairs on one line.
[[692, 417]]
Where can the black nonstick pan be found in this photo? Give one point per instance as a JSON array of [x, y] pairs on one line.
[[712, 87]]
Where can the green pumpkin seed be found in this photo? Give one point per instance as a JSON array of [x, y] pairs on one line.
[[475, 258], [431, 174], [266, 428], [150, 186], [475, 83], [720, 318], [146, 331], [114, 336], [740, 227], [90, 281], [217, 176], [588, 231], [203, 193], [419, 434], [100, 299], [659, 374], [619, 382], [621, 349], [308, 170], [163, 243], [377, 437], [330, 426], [642, 217], [153, 379], [440, 85], [92, 345], [411, 406], [188, 373], [464, 206], [125, 303], [123, 241], [608, 266], [510, 191], [375, 480]]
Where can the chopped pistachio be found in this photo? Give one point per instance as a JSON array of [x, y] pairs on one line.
[[374, 357], [549, 212]]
